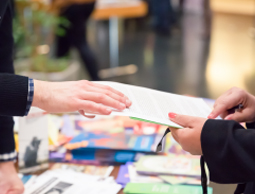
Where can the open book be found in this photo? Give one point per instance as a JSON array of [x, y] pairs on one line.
[[153, 106]]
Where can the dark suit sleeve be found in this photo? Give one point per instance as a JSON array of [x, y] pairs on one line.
[[9, 85], [229, 151], [13, 95]]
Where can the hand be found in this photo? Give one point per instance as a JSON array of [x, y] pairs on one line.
[[10, 183], [82, 96], [232, 98], [189, 136]]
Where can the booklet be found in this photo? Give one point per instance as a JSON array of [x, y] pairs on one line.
[[169, 165], [159, 188], [70, 182], [153, 106], [33, 142]]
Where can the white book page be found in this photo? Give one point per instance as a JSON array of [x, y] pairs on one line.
[[154, 106]]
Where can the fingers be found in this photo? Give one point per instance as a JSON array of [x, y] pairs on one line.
[[107, 88], [237, 116], [88, 116], [94, 108], [15, 191], [105, 100], [183, 120], [228, 100], [111, 92]]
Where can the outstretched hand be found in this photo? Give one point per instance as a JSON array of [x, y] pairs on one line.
[[189, 136], [230, 99], [83, 96]]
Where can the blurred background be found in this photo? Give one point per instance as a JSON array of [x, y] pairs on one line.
[[193, 47]]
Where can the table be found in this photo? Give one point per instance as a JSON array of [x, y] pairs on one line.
[[112, 12], [115, 174]]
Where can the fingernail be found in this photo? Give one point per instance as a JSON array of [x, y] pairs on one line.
[[128, 102], [210, 116], [122, 105], [172, 115], [109, 110]]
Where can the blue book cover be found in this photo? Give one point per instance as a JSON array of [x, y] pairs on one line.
[[114, 141]]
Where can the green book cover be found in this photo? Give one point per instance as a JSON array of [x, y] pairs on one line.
[[159, 188], [179, 180], [169, 165]]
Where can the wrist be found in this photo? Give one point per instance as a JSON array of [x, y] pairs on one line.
[[40, 95], [7, 166]]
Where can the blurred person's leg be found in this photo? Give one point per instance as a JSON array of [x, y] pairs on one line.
[[163, 15], [78, 16], [62, 44]]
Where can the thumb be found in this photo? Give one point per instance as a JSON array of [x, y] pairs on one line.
[[182, 120]]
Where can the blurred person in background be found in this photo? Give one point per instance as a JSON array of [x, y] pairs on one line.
[[163, 16], [78, 13]]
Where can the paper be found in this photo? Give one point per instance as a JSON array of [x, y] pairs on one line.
[[103, 171], [69, 182], [153, 106]]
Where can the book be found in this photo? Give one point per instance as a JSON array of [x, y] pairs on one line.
[[67, 181], [160, 188], [33, 142], [105, 147], [123, 176], [153, 106], [115, 141], [172, 179], [169, 165], [103, 171], [180, 180]]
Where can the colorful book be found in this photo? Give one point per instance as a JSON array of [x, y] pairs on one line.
[[169, 165], [159, 188], [123, 176], [115, 141]]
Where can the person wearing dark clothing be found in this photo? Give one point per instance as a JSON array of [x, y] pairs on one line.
[[18, 94], [75, 35], [7, 146], [225, 145], [232, 158], [163, 15]]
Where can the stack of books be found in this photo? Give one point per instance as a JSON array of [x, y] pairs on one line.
[[107, 140], [162, 174]]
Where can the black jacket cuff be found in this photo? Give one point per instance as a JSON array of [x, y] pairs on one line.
[[14, 94]]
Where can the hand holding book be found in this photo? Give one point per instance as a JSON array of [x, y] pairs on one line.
[[189, 136]]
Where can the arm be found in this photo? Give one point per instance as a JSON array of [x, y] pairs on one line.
[[228, 150], [227, 147], [14, 92], [58, 97]]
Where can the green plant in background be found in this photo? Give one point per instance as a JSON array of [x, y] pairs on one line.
[[33, 27]]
